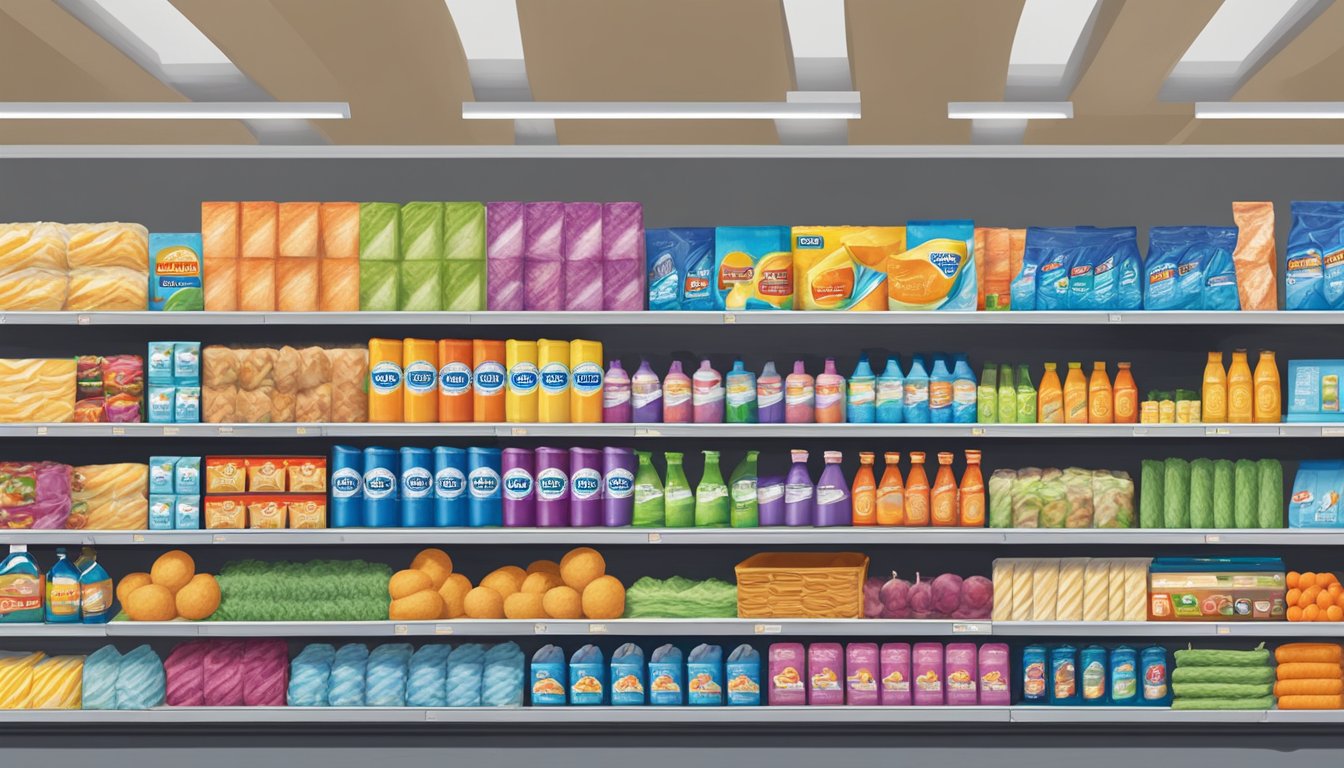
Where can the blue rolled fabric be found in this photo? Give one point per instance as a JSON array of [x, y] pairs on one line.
[[426, 684], [385, 678], [465, 666], [309, 676], [346, 687], [502, 680], [141, 682], [100, 678]]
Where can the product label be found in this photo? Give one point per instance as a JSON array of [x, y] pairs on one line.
[[1094, 681], [796, 492], [677, 494], [862, 393], [345, 483], [420, 377], [523, 379], [484, 483], [620, 484], [586, 483], [551, 484], [828, 395], [940, 394], [709, 492], [614, 396], [555, 378], [799, 394], [385, 377], [768, 394], [768, 493], [518, 484], [916, 393], [644, 393], [676, 392], [449, 483], [455, 379], [744, 491], [646, 492], [829, 495], [489, 377], [963, 392], [416, 483], [890, 391], [741, 393], [379, 483], [587, 378]]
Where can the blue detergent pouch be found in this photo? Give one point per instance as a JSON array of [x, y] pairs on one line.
[[1112, 257], [1219, 271], [1064, 676], [704, 675], [1191, 268], [667, 677], [1124, 674], [744, 677], [1023, 287], [586, 675], [1035, 675], [627, 676], [1316, 493], [1314, 269], [1155, 677], [672, 256], [548, 677], [1047, 250]]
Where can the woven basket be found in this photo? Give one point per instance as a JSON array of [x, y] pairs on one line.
[[801, 585]]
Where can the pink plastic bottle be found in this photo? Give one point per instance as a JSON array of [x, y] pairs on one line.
[[676, 395], [799, 396], [616, 395], [830, 395], [707, 395]]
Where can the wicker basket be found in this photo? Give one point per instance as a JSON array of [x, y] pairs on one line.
[[801, 585]]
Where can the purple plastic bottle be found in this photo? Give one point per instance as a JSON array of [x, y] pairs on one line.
[[770, 500], [585, 487], [552, 480], [676, 395], [799, 495], [646, 395], [707, 395], [618, 487], [616, 395], [520, 497], [833, 502], [769, 396]]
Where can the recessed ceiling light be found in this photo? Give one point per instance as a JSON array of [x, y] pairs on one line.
[[1009, 110], [1048, 48], [1269, 110], [1241, 35], [217, 110]]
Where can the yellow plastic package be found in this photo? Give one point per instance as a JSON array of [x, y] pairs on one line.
[[843, 268]]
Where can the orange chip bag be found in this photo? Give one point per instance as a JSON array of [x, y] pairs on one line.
[[224, 474], [267, 511], [1255, 256], [307, 511], [225, 511], [307, 474], [265, 474]]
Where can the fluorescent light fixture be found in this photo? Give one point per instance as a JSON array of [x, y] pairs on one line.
[[1269, 110], [1009, 110], [1048, 47], [199, 110], [1239, 38], [662, 110]]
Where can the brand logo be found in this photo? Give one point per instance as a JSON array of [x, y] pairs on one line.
[[554, 378], [484, 483], [1161, 275], [517, 484], [420, 377], [345, 483], [1186, 268], [696, 285], [416, 483], [1302, 497], [379, 483], [620, 483], [807, 241], [662, 267], [551, 484], [587, 378], [177, 261], [455, 379], [1308, 260], [947, 262], [386, 377], [1079, 271], [523, 378], [490, 377], [449, 483], [586, 483]]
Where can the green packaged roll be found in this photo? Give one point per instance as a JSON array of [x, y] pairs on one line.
[[1246, 494], [464, 286], [1176, 494], [420, 286], [379, 225], [421, 232], [1201, 493], [1218, 657], [1269, 507], [1222, 690], [1001, 498], [1263, 702], [1151, 476], [1223, 675], [464, 252], [379, 286], [1223, 492]]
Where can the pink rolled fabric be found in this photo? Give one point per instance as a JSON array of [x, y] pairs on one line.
[[504, 256], [185, 670], [543, 267], [265, 673], [223, 669], [582, 250], [623, 257]]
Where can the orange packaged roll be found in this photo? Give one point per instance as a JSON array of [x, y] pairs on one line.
[[487, 397], [220, 280], [338, 281], [225, 511], [219, 255], [256, 285], [296, 285], [1311, 702], [1328, 653], [1304, 670], [454, 384], [1308, 687], [386, 393], [307, 511], [338, 225], [420, 368]]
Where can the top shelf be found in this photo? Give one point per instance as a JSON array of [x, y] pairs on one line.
[[672, 318]]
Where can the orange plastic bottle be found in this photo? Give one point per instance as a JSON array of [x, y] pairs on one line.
[[1126, 396], [917, 492], [1099, 396], [1075, 395], [1050, 398], [1240, 389], [891, 492], [1268, 397], [863, 494], [945, 503], [971, 497]]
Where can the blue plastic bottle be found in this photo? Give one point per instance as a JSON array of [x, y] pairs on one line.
[[963, 391], [740, 401], [890, 396], [346, 508], [485, 505], [95, 589], [940, 392], [62, 599], [1155, 680], [1124, 677], [1035, 675], [1063, 681], [917, 393], [450, 487], [1093, 676], [861, 398]]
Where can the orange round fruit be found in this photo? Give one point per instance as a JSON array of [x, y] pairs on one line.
[[581, 566], [1334, 613], [1309, 596], [483, 603], [1307, 579], [1326, 578], [129, 583], [435, 555], [408, 582], [1339, 600], [1325, 599], [1311, 613], [1291, 579], [199, 599], [1294, 613], [173, 570], [562, 603], [505, 580], [417, 606], [604, 598], [152, 602], [541, 582], [524, 605], [1293, 597], [454, 593], [543, 566]]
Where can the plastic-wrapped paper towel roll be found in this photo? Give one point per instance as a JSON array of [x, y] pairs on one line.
[[1022, 586], [140, 680], [426, 683], [346, 687], [1069, 605], [309, 676], [1096, 589], [504, 256], [16, 677], [465, 668], [623, 257], [57, 682], [1115, 597], [100, 678], [223, 665], [1136, 589], [184, 670], [265, 673], [385, 676], [502, 680], [543, 265], [582, 251], [1002, 577], [464, 267], [421, 286], [1044, 589]]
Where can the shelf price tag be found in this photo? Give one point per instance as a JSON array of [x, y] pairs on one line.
[[538, 629], [1325, 431], [647, 433], [170, 431], [138, 538], [977, 431], [300, 431], [769, 629], [654, 538], [518, 431], [1212, 538], [224, 430], [400, 629], [1140, 431], [443, 629], [597, 629], [84, 320], [219, 538], [1222, 629], [1217, 431], [431, 715], [41, 431], [970, 629], [729, 318], [1115, 317], [118, 430]]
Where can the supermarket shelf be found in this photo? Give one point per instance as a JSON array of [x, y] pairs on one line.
[[53, 630], [701, 431], [1150, 715], [1248, 318]]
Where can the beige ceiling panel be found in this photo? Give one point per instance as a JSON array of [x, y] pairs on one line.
[[651, 50], [1265, 132], [398, 63], [61, 60], [1309, 68], [910, 58], [1115, 101]]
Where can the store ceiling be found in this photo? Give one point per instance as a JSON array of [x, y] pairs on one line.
[[403, 69]]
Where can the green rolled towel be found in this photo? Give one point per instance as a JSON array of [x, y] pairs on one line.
[[1222, 690], [1218, 657], [1225, 675], [379, 286], [464, 269], [1269, 507], [1263, 702], [421, 289], [464, 286], [1176, 494], [1151, 475], [379, 225], [1201, 493], [1223, 493], [1246, 497], [421, 232]]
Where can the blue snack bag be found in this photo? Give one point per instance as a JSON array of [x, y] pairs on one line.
[[1316, 492], [548, 677], [585, 676], [704, 675], [1046, 254], [681, 268], [1219, 291], [1022, 291], [666, 676], [1191, 268], [1314, 268], [744, 677], [627, 676]]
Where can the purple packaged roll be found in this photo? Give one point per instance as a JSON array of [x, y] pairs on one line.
[[895, 671], [520, 497], [623, 257], [552, 480], [926, 665], [861, 673], [959, 664], [993, 668], [582, 251], [585, 487], [504, 256], [543, 264], [618, 487], [770, 500]]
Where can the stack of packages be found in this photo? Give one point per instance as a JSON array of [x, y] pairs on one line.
[[1053, 498], [319, 590], [550, 256], [37, 390], [227, 673], [37, 681], [291, 257], [422, 256], [35, 494], [109, 389], [109, 497], [1309, 676], [395, 675], [135, 680], [83, 267], [1219, 679], [1071, 589], [1211, 494], [174, 382], [262, 385]]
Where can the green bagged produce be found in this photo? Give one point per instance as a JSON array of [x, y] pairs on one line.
[[1223, 493], [1078, 493], [1217, 657], [1222, 690], [421, 232], [1269, 505], [1263, 702], [1001, 498], [1151, 476], [420, 287], [1027, 501], [680, 598], [319, 590], [1201, 493], [379, 286], [1112, 499], [1227, 675], [464, 286], [379, 225], [1176, 494], [1054, 501], [464, 254], [1246, 494]]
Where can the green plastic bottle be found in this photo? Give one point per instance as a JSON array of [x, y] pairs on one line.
[[679, 501], [648, 493], [712, 504], [1026, 396], [1007, 396], [987, 396], [742, 489]]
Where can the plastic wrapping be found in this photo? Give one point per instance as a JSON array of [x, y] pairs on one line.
[[1176, 494], [1201, 493], [1247, 494]]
